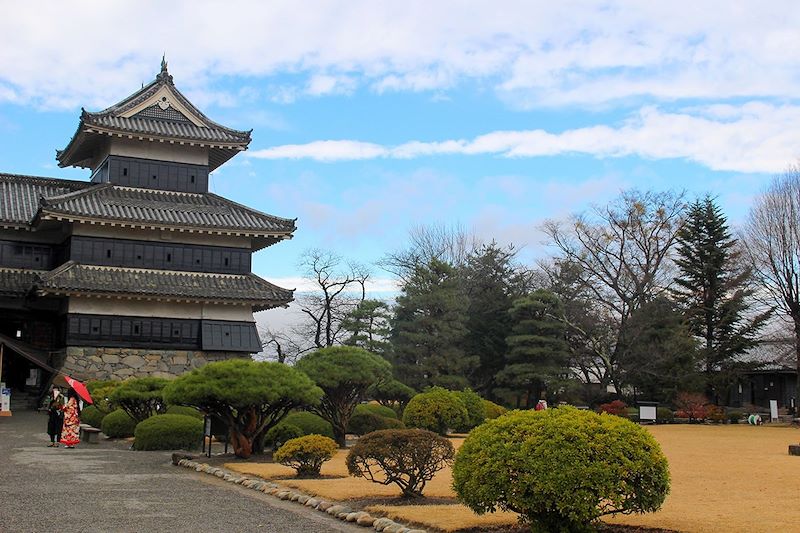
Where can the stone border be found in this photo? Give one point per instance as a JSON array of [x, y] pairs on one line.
[[342, 512]]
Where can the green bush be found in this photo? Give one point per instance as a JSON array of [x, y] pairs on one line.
[[561, 469], [436, 410], [363, 423], [92, 415], [101, 391], [734, 417], [169, 432], [185, 411], [374, 409], [664, 415], [309, 423], [409, 458], [476, 412], [306, 454], [493, 410], [141, 398], [118, 424], [281, 433]]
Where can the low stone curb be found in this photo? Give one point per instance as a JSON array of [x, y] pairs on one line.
[[338, 510]]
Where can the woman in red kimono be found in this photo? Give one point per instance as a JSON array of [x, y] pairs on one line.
[[72, 421]]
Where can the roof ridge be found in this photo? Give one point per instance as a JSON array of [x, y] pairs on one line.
[[28, 177], [58, 270], [49, 200], [267, 215]]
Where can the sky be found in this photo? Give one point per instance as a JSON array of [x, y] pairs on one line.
[[372, 117]]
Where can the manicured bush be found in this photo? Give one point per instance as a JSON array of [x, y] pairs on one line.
[[185, 411], [437, 410], [309, 423], [141, 398], [92, 415], [281, 433], [734, 417], [101, 391], [391, 393], [169, 432], [664, 415], [306, 454], [409, 458], [374, 409], [616, 407], [363, 423], [118, 424], [715, 413], [561, 469], [493, 410], [476, 412], [691, 405]]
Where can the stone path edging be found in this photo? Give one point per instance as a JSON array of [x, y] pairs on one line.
[[340, 511]]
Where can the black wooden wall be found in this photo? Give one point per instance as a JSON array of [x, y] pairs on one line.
[[159, 255], [153, 174], [36, 256], [164, 333]]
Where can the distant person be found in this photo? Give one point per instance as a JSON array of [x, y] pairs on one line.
[[72, 421], [541, 405], [55, 422]]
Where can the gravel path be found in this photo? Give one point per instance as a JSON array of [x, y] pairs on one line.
[[106, 487]]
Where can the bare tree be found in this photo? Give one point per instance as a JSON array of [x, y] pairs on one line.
[[339, 287], [621, 252], [772, 239], [285, 346], [449, 244]]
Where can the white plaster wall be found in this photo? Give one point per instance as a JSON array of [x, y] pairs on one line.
[[108, 306], [162, 151], [94, 230]]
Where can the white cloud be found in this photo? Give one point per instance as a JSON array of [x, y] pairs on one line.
[[754, 137], [63, 54]]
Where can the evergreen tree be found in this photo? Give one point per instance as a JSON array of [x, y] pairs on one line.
[[713, 290], [428, 329], [538, 354], [368, 325]]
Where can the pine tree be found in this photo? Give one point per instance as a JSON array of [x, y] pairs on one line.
[[428, 329], [538, 353], [713, 290], [368, 325]]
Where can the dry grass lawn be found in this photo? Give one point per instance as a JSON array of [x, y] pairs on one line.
[[724, 478]]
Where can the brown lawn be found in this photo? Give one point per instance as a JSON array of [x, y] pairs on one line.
[[724, 478]]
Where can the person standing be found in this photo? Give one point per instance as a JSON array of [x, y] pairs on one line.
[[72, 421], [55, 422]]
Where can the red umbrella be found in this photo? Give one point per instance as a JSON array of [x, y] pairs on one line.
[[80, 388]]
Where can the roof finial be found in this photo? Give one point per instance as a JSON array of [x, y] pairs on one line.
[[164, 63], [164, 74]]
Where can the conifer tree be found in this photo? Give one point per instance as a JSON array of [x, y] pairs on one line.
[[713, 290], [368, 325], [428, 329], [538, 352]]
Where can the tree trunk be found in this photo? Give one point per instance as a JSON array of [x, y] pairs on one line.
[[242, 445], [340, 435], [797, 354]]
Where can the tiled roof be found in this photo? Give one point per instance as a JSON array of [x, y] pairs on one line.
[[17, 281], [165, 128], [19, 195], [164, 208], [138, 282]]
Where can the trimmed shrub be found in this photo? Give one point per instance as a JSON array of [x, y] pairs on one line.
[[561, 469], [169, 432], [691, 405], [734, 417], [309, 423], [391, 393], [306, 454], [101, 391], [493, 410], [185, 411], [616, 407], [92, 415], [664, 415], [141, 397], [715, 413], [118, 424], [374, 409], [280, 434], [409, 458], [476, 412], [437, 410], [363, 423]]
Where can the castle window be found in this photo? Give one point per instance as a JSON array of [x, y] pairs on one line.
[[155, 177], [226, 261], [192, 178], [124, 171], [136, 329], [108, 254], [169, 258]]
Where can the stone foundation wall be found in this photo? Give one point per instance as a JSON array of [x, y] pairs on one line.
[[86, 363]]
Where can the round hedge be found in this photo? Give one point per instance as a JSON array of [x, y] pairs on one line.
[[375, 409], [93, 416], [363, 423], [492, 410], [280, 434], [561, 469], [476, 412], [309, 423], [169, 432], [436, 410], [306, 454], [185, 411], [118, 424]]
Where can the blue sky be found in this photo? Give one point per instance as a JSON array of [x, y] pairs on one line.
[[371, 117]]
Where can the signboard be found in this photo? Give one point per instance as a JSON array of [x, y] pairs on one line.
[[773, 409], [647, 412], [5, 399]]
